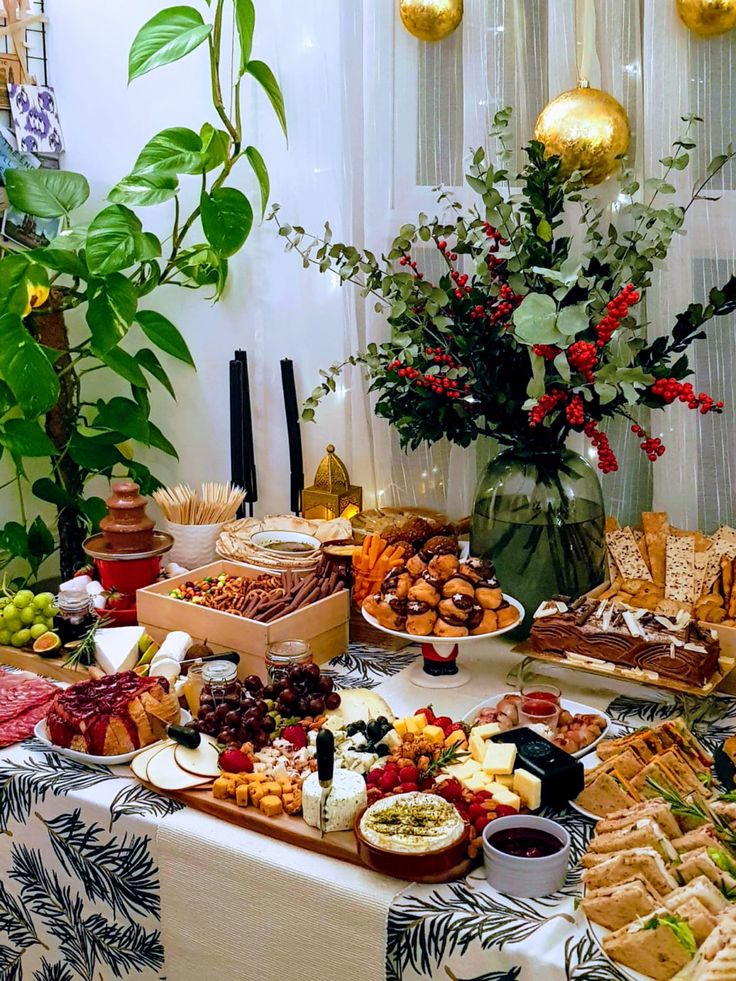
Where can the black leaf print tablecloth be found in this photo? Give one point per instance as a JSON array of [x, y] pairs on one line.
[[80, 890]]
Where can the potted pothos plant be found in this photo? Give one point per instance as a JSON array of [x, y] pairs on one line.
[[112, 269], [528, 338]]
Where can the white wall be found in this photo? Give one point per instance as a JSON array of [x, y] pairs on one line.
[[272, 307]]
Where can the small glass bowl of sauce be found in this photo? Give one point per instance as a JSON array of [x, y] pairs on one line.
[[525, 855]]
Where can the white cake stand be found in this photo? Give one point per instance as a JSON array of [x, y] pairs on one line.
[[444, 649]]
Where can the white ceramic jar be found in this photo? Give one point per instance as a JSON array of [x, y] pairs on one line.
[[526, 877]]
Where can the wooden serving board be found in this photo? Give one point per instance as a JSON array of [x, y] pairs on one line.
[[726, 666], [292, 830], [49, 667]]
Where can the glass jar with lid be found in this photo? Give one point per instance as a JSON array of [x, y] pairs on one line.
[[76, 615], [219, 699], [282, 654]]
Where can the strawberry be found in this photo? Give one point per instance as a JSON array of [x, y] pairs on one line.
[[296, 734], [503, 810], [451, 790], [457, 727], [406, 788], [476, 811], [481, 795], [429, 714], [387, 782], [235, 761], [116, 601], [374, 776], [444, 722], [426, 783], [409, 774], [480, 822]]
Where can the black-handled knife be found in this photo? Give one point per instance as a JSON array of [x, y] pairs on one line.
[[325, 772], [232, 656]]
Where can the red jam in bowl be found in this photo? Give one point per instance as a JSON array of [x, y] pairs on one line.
[[525, 842]]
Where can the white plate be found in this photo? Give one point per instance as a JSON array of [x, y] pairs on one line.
[[449, 641], [574, 708], [589, 761], [74, 754]]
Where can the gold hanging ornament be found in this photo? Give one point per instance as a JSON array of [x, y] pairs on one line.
[[431, 20], [588, 129], [707, 17]]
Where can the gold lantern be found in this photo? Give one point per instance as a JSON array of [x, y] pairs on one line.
[[431, 20], [331, 495], [707, 17], [587, 128]]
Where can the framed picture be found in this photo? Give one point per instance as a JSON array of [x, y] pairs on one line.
[[11, 73], [28, 231]]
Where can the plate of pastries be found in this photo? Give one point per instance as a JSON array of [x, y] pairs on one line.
[[436, 593]]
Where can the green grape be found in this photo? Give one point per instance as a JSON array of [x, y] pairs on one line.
[[27, 615], [13, 625], [4, 600], [43, 600], [10, 612], [38, 630], [51, 611], [4, 637], [21, 638], [49, 621], [22, 598]]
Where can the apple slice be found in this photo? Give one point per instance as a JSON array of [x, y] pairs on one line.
[[139, 763], [166, 774], [202, 761]]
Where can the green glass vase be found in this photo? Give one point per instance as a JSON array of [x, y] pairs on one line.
[[539, 517]]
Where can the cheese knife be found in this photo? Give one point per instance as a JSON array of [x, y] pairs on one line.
[[325, 771]]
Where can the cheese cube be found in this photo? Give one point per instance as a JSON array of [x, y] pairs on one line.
[[400, 726], [529, 788], [221, 788], [477, 782], [421, 720], [487, 730], [241, 795], [456, 738], [499, 758], [434, 733], [392, 739], [502, 795], [477, 747], [271, 805], [464, 770], [412, 725], [505, 779]]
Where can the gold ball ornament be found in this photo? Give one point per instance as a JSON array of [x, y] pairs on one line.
[[587, 129], [707, 17], [431, 20]]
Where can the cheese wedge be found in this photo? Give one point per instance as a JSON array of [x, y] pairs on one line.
[[463, 770], [499, 758], [529, 788], [487, 730], [116, 648], [477, 747], [434, 733], [502, 795], [479, 781], [505, 779]]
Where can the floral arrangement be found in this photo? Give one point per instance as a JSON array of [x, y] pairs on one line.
[[525, 336]]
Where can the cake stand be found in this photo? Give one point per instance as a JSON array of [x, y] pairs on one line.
[[439, 654]]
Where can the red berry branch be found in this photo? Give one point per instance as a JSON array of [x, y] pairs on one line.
[[617, 309], [669, 389], [607, 461]]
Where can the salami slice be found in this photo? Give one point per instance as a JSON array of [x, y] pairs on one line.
[[22, 726], [24, 700]]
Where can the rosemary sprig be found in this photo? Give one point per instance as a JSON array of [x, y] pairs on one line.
[[695, 809], [83, 655], [445, 757]]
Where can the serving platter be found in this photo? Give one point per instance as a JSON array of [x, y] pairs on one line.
[[573, 707], [726, 665], [599, 933], [589, 761], [41, 734]]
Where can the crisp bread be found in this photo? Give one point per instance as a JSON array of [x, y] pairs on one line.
[[701, 560], [656, 529], [626, 554], [713, 565], [642, 545], [680, 570]]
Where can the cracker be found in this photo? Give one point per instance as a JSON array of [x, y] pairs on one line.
[[627, 555], [642, 544], [612, 523], [680, 568], [701, 561], [656, 529]]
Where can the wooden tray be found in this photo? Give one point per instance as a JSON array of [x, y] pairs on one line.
[[292, 830], [726, 666], [49, 667]]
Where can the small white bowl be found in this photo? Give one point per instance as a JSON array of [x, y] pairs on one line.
[[264, 539], [529, 878]]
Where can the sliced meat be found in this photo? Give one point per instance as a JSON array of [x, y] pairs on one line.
[[22, 726], [16, 699]]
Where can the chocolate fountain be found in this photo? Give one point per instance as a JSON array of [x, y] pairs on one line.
[[127, 551]]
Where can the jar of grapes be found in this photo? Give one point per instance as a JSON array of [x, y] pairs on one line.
[[282, 654], [219, 701]]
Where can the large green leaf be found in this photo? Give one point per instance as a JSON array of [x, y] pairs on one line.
[[215, 146], [535, 320], [166, 37], [111, 240], [26, 368], [572, 320], [267, 80], [245, 20], [46, 193], [147, 246], [24, 437], [62, 260], [124, 416], [125, 365], [40, 542], [147, 359], [157, 439], [261, 171], [172, 151], [144, 189], [14, 283], [164, 335], [46, 489], [110, 310], [227, 218], [94, 453], [203, 266]]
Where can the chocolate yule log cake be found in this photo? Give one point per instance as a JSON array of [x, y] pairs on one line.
[[673, 647]]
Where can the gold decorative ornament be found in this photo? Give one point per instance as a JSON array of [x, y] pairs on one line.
[[707, 17], [588, 129], [431, 20], [331, 495]]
